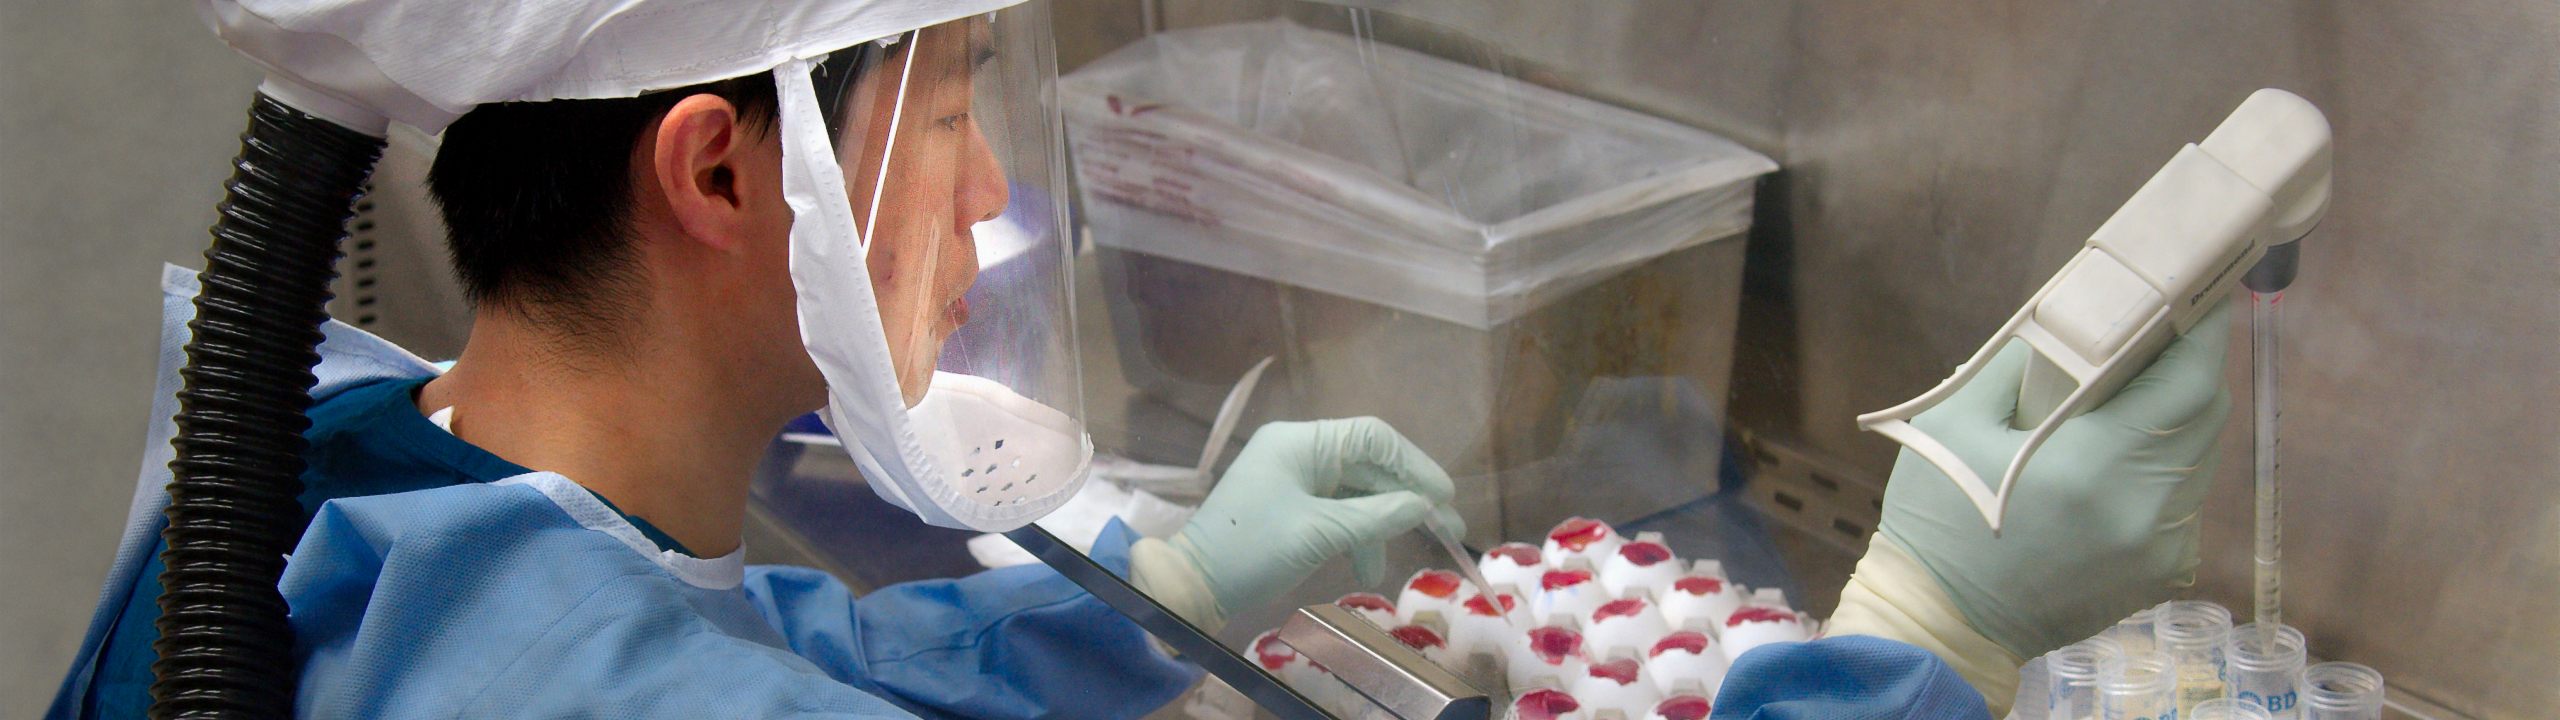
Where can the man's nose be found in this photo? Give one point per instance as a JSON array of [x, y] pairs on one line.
[[983, 190]]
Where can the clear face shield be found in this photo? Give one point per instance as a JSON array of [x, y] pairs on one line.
[[931, 272]]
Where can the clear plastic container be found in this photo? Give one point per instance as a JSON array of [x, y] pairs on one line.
[[2133, 633], [2138, 686], [2192, 634], [2205, 607], [2264, 666], [2071, 674], [2225, 709], [2341, 691], [1564, 269]]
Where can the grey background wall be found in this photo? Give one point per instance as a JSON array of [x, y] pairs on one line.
[[116, 122]]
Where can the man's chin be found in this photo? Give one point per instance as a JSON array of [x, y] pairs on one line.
[[917, 378]]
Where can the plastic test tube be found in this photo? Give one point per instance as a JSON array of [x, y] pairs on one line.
[[2138, 686], [2225, 709], [2264, 665], [2133, 634], [2192, 634], [2341, 691], [2072, 674], [2207, 607]]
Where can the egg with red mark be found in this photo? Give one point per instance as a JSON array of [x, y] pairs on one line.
[[1433, 592], [1681, 707], [1372, 607], [1425, 640], [1513, 565], [1628, 625], [1700, 602], [1643, 565], [1548, 704], [1616, 687], [1569, 593], [1580, 542], [1757, 625], [1551, 656], [1275, 655], [1487, 627], [1687, 661]]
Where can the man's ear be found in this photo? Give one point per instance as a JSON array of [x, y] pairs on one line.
[[696, 155]]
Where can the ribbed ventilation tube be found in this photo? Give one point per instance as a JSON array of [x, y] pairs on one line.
[[225, 647]]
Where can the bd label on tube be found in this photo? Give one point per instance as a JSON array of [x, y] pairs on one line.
[[2274, 703]]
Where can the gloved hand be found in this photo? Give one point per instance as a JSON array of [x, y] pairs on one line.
[[1299, 494], [2102, 522]]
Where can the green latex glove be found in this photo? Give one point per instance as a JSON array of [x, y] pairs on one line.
[[2102, 522], [1303, 492]]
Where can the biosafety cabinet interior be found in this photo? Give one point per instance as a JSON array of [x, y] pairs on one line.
[[1940, 160], [1645, 263]]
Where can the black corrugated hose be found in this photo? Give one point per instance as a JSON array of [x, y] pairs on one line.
[[225, 648]]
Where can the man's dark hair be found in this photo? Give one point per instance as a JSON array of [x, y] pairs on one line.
[[537, 197]]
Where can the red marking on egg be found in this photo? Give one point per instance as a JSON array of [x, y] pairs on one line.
[[1545, 705], [1627, 607], [1435, 583], [1561, 579], [1684, 707], [1698, 585], [1755, 613], [1622, 670], [1579, 533], [1644, 553], [1418, 637], [1554, 644], [1478, 606], [1522, 554], [1366, 601], [1273, 653], [1690, 640]]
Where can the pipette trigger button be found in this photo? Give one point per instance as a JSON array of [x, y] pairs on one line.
[[2097, 307]]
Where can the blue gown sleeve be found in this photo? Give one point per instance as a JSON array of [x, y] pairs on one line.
[[1017, 642], [1844, 678]]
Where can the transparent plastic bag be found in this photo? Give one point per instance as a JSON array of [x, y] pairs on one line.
[[1388, 176]]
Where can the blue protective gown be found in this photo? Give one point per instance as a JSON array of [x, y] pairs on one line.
[[1845, 678], [365, 440], [529, 598], [454, 596]]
